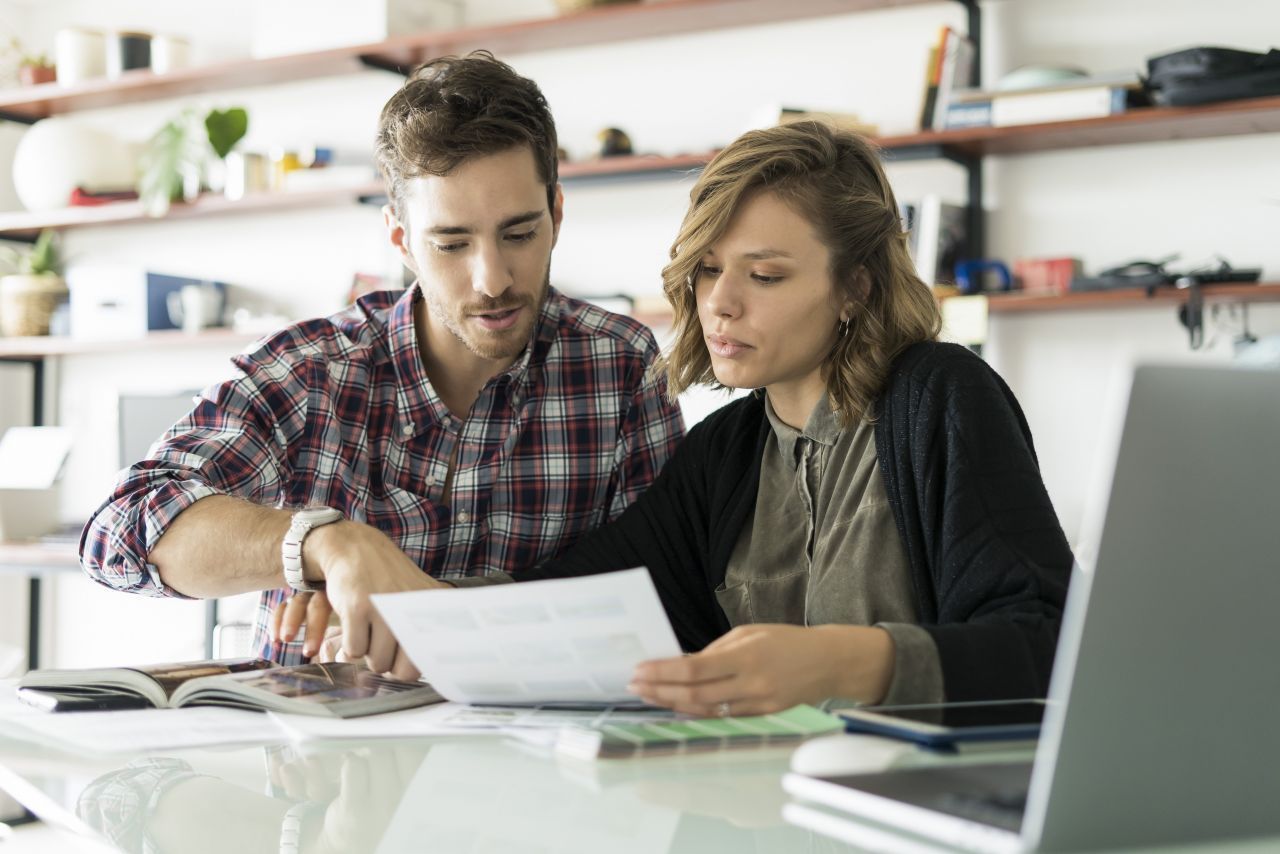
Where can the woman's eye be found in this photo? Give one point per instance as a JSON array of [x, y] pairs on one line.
[[522, 237], [708, 272], [766, 280], [447, 247]]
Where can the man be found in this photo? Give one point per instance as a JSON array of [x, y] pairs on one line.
[[479, 423]]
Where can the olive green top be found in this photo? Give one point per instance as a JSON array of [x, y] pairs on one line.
[[824, 548]]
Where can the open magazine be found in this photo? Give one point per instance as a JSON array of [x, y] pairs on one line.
[[342, 690]]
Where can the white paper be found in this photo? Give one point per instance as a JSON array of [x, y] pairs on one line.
[[32, 457], [148, 729], [566, 640]]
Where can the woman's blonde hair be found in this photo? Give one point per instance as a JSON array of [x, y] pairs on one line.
[[835, 181]]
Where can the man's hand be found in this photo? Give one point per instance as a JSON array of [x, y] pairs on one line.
[[763, 668], [355, 561], [311, 610]]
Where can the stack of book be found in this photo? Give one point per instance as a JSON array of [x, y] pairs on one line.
[[1081, 98], [950, 70]]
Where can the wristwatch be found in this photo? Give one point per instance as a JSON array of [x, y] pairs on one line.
[[304, 522]]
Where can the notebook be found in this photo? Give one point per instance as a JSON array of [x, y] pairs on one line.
[[1161, 721]]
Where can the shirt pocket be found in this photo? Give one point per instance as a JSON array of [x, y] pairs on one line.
[[517, 541]]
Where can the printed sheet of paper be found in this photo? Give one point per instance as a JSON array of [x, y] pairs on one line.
[[566, 640]]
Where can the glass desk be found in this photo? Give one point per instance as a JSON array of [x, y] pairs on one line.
[[474, 793]]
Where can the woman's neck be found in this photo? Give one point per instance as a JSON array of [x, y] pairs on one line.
[[793, 402]]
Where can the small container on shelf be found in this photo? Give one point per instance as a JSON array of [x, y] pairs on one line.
[[80, 54]]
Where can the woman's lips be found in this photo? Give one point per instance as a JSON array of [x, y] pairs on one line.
[[726, 347]]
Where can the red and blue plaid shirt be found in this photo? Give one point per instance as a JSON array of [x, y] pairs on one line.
[[339, 412]]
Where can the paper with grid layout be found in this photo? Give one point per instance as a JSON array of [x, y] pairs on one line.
[[563, 640]]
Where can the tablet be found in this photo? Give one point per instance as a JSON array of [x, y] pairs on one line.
[[950, 725]]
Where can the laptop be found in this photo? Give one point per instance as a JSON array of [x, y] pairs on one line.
[[1163, 723]]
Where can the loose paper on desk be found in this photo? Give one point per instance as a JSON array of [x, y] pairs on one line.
[[562, 640]]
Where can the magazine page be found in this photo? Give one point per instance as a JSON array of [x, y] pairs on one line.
[[171, 676], [340, 689]]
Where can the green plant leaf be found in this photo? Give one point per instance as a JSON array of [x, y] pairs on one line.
[[178, 148], [226, 128]]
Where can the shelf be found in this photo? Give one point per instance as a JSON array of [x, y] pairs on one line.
[[1147, 124], [1016, 303], [591, 27], [39, 347], [25, 225]]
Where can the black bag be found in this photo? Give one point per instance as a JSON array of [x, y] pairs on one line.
[[1203, 75]]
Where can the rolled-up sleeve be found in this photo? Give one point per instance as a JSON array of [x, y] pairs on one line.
[[229, 444]]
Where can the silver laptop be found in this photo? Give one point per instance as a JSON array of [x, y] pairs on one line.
[[1164, 707]]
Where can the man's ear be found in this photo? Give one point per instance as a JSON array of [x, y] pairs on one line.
[[557, 215], [397, 235]]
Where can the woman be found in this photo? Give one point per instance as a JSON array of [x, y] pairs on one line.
[[870, 523]]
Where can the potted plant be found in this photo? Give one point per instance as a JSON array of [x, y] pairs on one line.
[[177, 159], [29, 295], [34, 68]]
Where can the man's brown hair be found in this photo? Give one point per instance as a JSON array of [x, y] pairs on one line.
[[454, 109]]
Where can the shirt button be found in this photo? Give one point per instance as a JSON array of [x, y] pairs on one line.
[[464, 517], [406, 430], [431, 480]]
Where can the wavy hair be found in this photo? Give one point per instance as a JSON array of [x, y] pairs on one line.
[[454, 109], [834, 180]]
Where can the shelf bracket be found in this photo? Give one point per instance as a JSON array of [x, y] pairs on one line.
[[17, 118], [369, 60]]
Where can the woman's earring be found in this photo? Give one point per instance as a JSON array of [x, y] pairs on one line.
[[688, 281], [844, 328]]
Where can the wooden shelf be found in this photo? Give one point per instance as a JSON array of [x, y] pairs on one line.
[[42, 346], [25, 225], [1016, 303], [1148, 124], [1154, 124], [599, 26]]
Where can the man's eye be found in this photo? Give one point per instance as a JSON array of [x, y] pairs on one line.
[[523, 237], [447, 247]]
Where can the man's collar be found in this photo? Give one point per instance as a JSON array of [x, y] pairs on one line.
[[418, 403]]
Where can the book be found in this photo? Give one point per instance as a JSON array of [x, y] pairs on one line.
[[343, 690], [955, 72], [1031, 108], [622, 740], [939, 237], [932, 70], [967, 114]]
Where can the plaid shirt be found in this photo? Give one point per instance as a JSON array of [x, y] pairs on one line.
[[339, 412]]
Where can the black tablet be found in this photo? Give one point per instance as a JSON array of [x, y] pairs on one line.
[[949, 725]]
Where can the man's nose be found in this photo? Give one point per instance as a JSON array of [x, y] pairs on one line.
[[491, 275]]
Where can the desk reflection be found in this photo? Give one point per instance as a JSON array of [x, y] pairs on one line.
[[471, 795]]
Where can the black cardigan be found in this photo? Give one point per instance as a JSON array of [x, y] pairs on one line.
[[989, 561]]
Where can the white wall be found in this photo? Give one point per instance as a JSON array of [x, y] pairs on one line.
[[693, 92]]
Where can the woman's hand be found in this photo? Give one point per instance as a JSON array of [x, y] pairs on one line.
[[764, 668]]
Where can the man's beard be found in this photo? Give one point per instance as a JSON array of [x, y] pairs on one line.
[[499, 344]]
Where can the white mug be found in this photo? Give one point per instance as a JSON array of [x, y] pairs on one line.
[[194, 307], [169, 53], [79, 54]]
